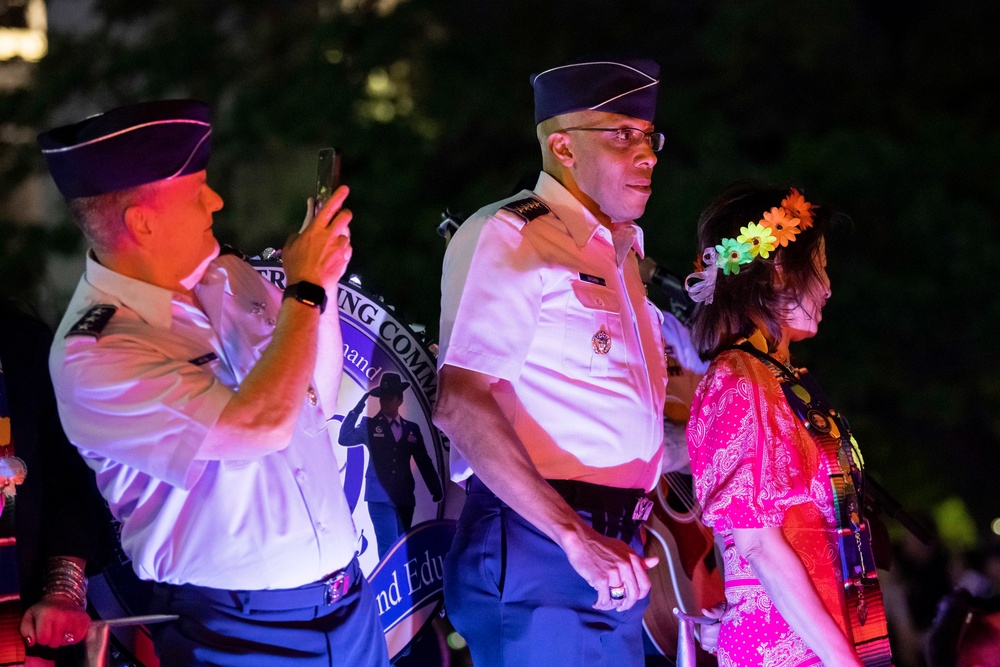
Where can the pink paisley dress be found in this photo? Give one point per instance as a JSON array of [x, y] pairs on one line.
[[755, 466]]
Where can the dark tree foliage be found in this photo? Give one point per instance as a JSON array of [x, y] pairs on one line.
[[885, 111]]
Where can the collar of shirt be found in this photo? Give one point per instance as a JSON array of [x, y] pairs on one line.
[[581, 223], [395, 420], [627, 236], [149, 302]]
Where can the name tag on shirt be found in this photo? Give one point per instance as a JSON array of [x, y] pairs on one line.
[[593, 280]]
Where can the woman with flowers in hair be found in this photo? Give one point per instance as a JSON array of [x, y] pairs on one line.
[[776, 470]]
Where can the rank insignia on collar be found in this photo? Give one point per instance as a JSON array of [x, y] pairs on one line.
[[527, 209], [93, 322], [601, 342]]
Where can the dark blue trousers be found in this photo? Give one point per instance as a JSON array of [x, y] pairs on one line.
[[253, 628], [390, 521], [512, 594]]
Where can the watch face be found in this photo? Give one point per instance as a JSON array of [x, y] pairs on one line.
[[309, 294]]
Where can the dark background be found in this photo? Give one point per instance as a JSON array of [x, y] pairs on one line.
[[886, 111]]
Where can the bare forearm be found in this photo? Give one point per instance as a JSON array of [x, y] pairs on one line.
[[468, 412], [472, 420], [261, 416], [329, 356], [788, 584]]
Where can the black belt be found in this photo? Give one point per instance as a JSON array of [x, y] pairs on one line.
[[629, 504], [322, 593]]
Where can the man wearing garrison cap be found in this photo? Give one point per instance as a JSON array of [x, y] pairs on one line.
[[552, 385], [199, 395]]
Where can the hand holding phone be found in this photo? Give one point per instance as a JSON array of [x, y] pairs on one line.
[[327, 179], [327, 176], [320, 252]]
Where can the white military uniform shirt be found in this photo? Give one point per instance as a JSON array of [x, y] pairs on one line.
[[139, 399], [534, 304]]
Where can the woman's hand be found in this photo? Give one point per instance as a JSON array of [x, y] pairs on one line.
[[54, 621], [708, 638]]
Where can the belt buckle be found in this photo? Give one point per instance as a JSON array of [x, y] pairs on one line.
[[336, 587], [643, 508]]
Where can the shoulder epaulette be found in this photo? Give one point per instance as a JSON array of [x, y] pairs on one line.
[[93, 321], [226, 249], [527, 209]]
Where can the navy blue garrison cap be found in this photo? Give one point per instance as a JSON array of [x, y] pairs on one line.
[[627, 87], [128, 146]]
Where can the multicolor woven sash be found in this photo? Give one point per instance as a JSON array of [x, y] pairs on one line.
[[841, 459], [11, 644]]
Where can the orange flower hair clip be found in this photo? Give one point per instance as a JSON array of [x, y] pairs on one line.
[[797, 206]]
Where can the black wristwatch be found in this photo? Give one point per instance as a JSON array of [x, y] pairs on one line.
[[308, 293]]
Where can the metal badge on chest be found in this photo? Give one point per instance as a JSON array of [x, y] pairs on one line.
[[601, 342]]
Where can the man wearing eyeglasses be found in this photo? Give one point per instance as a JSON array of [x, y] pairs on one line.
[[552, 385]]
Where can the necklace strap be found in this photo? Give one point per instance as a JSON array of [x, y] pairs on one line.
[[780, 371], [808, 402]]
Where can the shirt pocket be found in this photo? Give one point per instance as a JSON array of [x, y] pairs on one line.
[[594, 341]]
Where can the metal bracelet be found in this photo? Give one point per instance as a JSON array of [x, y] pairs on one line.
[[67, 578]]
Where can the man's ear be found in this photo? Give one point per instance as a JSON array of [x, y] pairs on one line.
[[561, 148], [139, 222]]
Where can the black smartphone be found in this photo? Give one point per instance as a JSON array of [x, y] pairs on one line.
[[327, 176]]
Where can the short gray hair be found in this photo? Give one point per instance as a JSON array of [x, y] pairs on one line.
[[102, 217]]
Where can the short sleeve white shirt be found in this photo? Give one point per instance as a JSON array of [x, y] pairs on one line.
[[534, 304], [139, 400]]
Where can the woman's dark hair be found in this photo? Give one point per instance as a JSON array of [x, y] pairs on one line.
[[757, 297]]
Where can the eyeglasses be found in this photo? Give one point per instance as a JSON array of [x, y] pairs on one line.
[[626, 137]]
